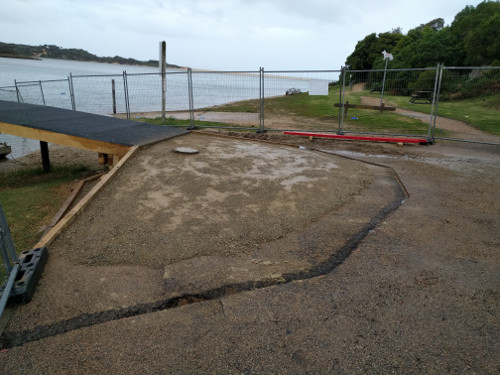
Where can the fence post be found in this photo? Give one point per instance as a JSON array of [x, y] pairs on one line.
[[191, 99], [10, 260], [437, 102], [72, 92], [342, 99], [430, 133], [41, 91], [125, 89], [18, 93], [261, 101]]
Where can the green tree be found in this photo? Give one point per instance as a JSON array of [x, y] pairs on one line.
[[428, 47], [479, 29], [369, 50]]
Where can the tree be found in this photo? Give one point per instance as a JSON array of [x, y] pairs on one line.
[[369, 50], [479, 29], [428, 47]]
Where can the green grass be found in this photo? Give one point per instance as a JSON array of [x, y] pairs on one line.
[[174, 121], [322, 108], [30, 198], [482, 113]]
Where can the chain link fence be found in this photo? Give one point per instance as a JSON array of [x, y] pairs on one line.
[[446, 103]]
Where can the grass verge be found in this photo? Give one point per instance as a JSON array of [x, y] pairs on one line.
[[30, 198], [481, 112]]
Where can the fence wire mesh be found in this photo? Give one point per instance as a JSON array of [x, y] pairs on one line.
[[468, 108], [388, 101], [301, 100], [401, 102], [94, 94]]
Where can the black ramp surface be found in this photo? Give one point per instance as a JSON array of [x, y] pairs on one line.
[[85, 125]]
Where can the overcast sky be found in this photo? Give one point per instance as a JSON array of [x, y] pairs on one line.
[[218, 34]]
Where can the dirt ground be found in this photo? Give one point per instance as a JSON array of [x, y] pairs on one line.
[[253, 257], [59, 156]]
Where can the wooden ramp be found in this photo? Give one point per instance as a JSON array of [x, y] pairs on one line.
[[103, 134]]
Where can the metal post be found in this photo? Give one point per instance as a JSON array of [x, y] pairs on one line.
[[262, 96], [260, 100], [191, 99], [72, 92], [163, 68], [432, 120], [3, 252], [6, 237], [41, 90], [437, 103], [383, 87], [17, 92], [8, 288], [344, 72], [125, 89], [339, 130]]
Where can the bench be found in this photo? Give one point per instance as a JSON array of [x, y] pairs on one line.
[[425, 96], [362, 106]]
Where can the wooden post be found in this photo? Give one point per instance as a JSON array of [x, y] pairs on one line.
[[346, 106], [44, 149], [163, 69], [113, 92]]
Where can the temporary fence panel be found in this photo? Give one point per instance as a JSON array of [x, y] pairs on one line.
[[10, 266], [468, 105], [55, 93], [226, 99], [396, 102], [94, 93], [341, 101], [8, 93], [301, 100]]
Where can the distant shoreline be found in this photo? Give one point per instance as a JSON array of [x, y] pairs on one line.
[[22, 51], [10, 56]]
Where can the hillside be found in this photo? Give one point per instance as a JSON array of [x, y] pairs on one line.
[[54, 52]]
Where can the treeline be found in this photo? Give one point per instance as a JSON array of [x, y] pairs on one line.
[[472, 39], [55, 52]]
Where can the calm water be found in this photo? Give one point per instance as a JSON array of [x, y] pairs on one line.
[[50, 69], [45, 82]]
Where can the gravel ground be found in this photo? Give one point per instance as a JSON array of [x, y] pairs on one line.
[[416, 292]]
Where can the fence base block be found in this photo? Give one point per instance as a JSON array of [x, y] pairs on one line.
[[361, 138], [31, 264]]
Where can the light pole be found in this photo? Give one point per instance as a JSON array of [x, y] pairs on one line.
[[387, 57]]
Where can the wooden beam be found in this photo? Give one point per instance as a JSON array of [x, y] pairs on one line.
[[44, 149], [65, 139], [362, 106]]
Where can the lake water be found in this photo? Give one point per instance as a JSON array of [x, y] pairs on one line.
[[22, 70]]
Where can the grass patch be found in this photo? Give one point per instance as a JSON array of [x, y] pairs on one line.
[[482, 112], [173, 121], [30, 198]]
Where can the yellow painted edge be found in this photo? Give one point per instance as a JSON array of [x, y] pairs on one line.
[[75, 211], [64, 139]]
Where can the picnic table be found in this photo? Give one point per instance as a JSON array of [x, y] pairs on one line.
[[421, 96]]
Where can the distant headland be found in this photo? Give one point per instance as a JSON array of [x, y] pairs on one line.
[[22, 51]]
